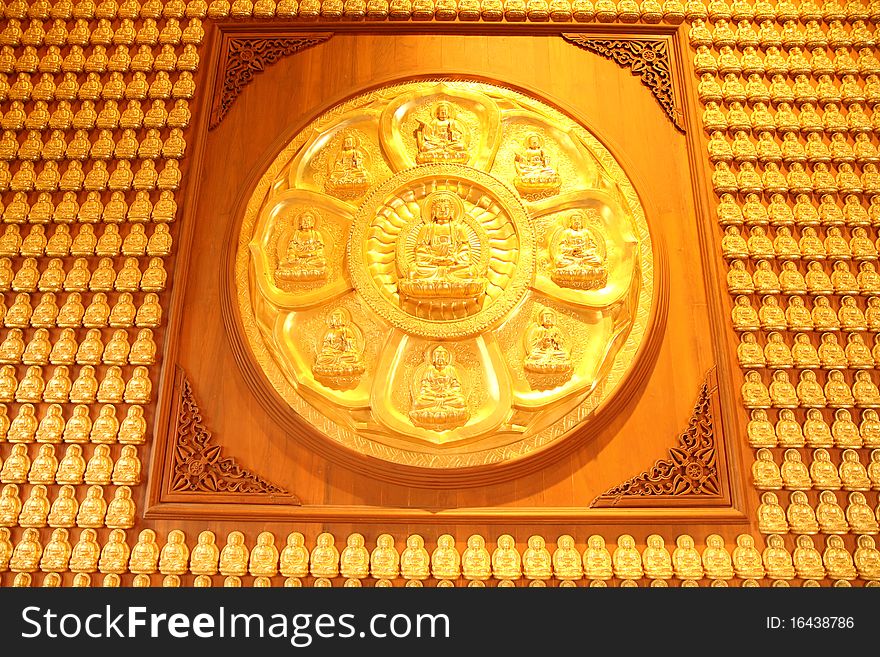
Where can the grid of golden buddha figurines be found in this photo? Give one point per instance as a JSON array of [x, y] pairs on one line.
[[144, 561], [94, 104], [790, 95]]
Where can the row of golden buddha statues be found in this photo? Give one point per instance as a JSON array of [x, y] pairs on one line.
[[808, 278], [50, 31], [781, 89], [160, 85], [85, 241], [505, 563], [65, 510], [747, 180], [24, 426], [128, 146], [792, 62], [98, 61], [110, 117], [810, 429], [766, 149], [822, 473], [67, 350], [858, 34], [828, 516], [784, 120], [91, 209], [793, 313], [804, 213], [45, 468], [76, 276], [776, 353], [809, 392], [84, 389], [72, 312], [145, 177], [780, 243]]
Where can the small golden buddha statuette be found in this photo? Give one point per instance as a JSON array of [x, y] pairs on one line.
[[84, 558], [566, 560], [115, 554], [506, 563], [64, 510], [121, 510], [264, 556], [771, 516], [823, 472], [145, 554], [537, 564], [324, 560], [294, 561], [476, 562], [445, 559], [415, 560], [860, 516], [92, 509], [830, 515], [867, 558], [56, 554], [777, 560], [26, 555], [174, 557], [205, 555], [765, 472], [626, 560], [656, 559]]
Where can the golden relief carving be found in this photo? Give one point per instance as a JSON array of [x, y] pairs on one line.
[[444, 262]]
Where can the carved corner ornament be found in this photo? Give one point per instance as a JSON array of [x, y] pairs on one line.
[[691, 470], [646, 58], [244, 57], [199, 466]]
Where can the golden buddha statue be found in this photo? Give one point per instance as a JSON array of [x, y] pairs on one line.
[[858, 356], [205, 556], [656, 559], [85, 554], [72, 466], [264, 556], [90, 349], [823, 472], [112, 387], [35, 510], [115, 554], [339, 359], [85, 387], [800, 515], [121, 510], [43, 467], [844, 431], [132, 430], [445, 560], [31, 386], [124, 312], [58, 386], [830, 515], [804, 354], [771, 316], [866, 558], [78, 426], [234, 556], [765, 472], [745, 318], [506, 563], [776, 352], [174, 557], [864, 390], [853, 475], [348, 173], [294, 560], [795, 475], [159, 243], [324, 560], [64, 510], [771, 517], [626, 560], [860, 516], [56, 554], [139, 387], [12, 347], [716, 559], [535, 175], [8, 383], [99, 466], [776, 559], [442, 138], [77, 278], [783, 393], [807, 560], [868, 279], [384, 559], [438, 398], [26, 555], [537, 563], [869, 429], [93, 507], [71, 312], [10, 506], [754, 392], [546, 345], [415, 562], [135, 243], [304, 259], [116, 350], [831, 354], [127, 469], [760, 430], [144, 557], [110, 244], [476, 562], [143, 351]]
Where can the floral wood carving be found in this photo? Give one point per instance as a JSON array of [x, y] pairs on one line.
[[244, 57], [199, 465], [647, 58], [691, 469]]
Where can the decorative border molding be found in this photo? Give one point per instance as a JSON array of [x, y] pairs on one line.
[[243, 57], [199, 466], [647, 58], [691, 471]]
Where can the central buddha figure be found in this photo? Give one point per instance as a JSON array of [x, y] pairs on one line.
[[577, 260], [443, 265], [340, 353], [304, 259], [443, 138], [348, 174], [534, 174], [438, 400]]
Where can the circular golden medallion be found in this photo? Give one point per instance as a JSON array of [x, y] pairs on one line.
[[443, 276]]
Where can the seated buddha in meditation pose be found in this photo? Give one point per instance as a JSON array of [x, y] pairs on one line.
[[534, 174], [547, 349], [576, 258], [442, 266], [304, 259], [442, 138], [438, 400], [340, 352], [348, 174]]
